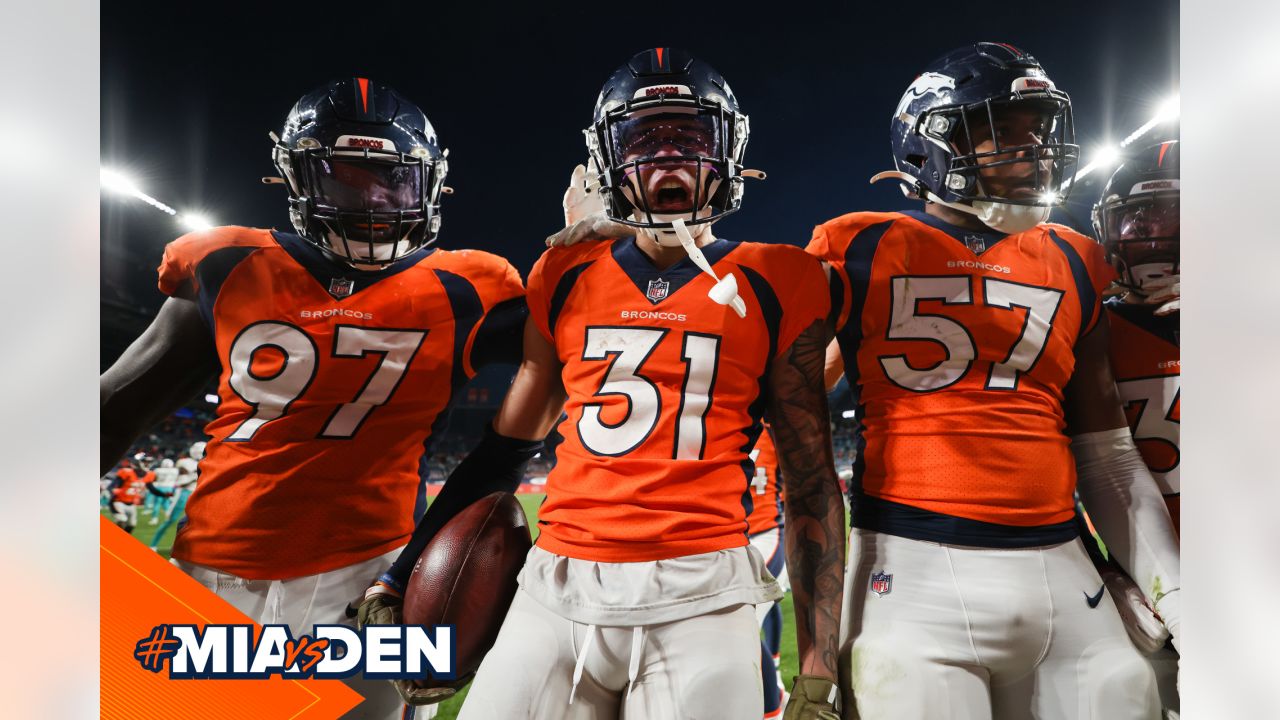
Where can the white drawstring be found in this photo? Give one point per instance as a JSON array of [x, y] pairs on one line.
[[633, 667], [582, 659], [724, 292]]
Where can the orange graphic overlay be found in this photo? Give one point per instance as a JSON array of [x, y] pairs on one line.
[[141, 595]]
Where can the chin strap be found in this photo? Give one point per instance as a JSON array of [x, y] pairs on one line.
[[724, 292], [1004, 217]]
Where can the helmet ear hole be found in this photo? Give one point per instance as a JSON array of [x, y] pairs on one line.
[[916, 161]]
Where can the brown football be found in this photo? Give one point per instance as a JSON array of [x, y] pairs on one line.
[[466, 577]]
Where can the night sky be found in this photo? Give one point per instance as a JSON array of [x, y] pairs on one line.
[[188, 96]]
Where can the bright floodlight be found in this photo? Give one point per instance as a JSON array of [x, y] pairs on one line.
[[115, 182], [849, 414], [1169, 110], [211, 399], [1106, 156], [192, 221]]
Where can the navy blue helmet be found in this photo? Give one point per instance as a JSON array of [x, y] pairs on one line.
[[1137, 218], [946, 128], [666, 110], [364, 171]]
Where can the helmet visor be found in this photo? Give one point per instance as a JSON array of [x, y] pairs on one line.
[[1152, 218], [359, 184], [666, 135]]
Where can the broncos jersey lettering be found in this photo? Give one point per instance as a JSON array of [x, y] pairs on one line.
[[1145, 358], [666, 389], [959, 344], [766, 513], [332, 380]]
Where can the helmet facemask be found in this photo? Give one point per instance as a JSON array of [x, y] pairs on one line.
[[1141, 236], [367, 206], [669, 157]]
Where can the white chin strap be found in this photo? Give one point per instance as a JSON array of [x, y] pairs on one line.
[[724, 292], [359, 249], [668, 237], [1149, 277], [1004, 217]]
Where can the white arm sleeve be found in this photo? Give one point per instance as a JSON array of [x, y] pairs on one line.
[[1130, 514]]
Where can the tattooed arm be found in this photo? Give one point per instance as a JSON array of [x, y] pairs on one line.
[[814, 512]]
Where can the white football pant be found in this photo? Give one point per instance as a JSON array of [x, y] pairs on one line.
[[303, 602], [971, 633], [546, 667], [769, 543], [124, 512]]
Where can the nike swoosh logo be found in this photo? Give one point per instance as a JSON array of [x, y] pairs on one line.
[[1097, 598]]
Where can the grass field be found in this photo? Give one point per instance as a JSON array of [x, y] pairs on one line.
[[449, 710]]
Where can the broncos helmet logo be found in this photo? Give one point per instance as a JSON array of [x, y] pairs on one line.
[[926, 83]]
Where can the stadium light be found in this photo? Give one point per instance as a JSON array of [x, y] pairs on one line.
[[194, 221], [1105, 157], [1170, 109], [849, 414], [119, 183], [211, 399]]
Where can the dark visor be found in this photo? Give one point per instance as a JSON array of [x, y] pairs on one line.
[[1143, 219], [647, 136], [360, 184]]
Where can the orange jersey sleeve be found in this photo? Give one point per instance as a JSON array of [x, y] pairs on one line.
[[959, 344], [502, 301], [183, 256], [666, 389], [552, 278]]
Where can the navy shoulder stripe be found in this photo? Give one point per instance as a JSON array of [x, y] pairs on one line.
[[467, 311], [770, 307], [211, 272], [857, 269], [561, 294], [1084, 288]]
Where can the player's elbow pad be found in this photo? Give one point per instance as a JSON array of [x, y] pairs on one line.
[[1130, 514]]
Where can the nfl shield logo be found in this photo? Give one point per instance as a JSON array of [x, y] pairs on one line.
[[881, 583], [976, 243], [341, 287], [657, 289]]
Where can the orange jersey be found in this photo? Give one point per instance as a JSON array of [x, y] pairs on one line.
[[129, 488], [766, 486], [1146, 360], [332, 380], [959, 344], [665, 392]]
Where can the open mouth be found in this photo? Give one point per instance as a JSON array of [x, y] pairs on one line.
[[669, 192]]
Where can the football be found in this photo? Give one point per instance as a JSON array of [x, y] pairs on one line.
[[466, 577]]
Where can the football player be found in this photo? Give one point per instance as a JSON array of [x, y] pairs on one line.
[[1137, 222], [335, 350], [166, 479], [188, 469], [764, 530], [636, 600], [975, 339], [126, 494]]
